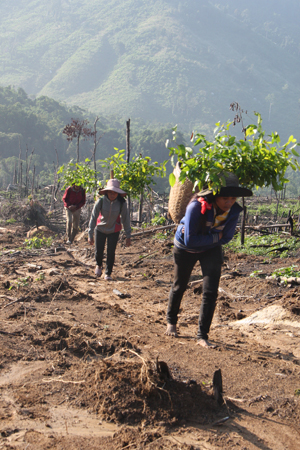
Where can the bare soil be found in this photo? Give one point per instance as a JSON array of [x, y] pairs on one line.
[[82, 367]]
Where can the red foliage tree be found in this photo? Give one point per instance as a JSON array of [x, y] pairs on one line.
[[78, 129]]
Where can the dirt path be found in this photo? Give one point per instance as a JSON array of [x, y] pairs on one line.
[[81, 367]]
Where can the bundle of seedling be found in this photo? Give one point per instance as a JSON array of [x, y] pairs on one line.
[[258, 160]]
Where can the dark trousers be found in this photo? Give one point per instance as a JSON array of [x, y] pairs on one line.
[[211, 261], [112, 240]]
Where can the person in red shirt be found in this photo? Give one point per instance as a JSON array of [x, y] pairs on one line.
[[74, 200]]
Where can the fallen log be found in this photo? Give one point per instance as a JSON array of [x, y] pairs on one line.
[[277, 225], [266, 245], [154, 230], [7, 298], [135, 263], [21, 299], [264, 232], [280, 249]]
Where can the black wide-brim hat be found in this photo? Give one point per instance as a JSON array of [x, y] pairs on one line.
[[231, 188]]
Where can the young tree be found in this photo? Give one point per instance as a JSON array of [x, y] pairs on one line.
[[78, 129], [80, 174], [137, 175]]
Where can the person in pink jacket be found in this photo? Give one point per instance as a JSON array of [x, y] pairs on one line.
[[74, 200], [109, 213]]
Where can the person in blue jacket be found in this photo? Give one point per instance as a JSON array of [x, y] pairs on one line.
[[209, 222]]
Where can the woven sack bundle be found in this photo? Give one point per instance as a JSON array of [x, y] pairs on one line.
[[180, 195]]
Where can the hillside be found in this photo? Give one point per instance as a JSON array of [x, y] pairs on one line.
[[161, 61], [35, 125]]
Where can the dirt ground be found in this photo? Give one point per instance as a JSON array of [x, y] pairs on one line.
[[85, 363]]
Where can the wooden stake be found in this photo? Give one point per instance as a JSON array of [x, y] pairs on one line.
[[243, 223]]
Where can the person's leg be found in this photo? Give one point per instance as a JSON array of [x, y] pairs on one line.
[[69, 220], [75, 227], [211, 262], [112, 240], [183, 266], [100, 239]]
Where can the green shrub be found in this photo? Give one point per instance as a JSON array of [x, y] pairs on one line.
[[38, 242], [158, 220], [286, 272], [271, 245]]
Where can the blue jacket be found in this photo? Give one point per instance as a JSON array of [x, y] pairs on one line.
[[189, 235]]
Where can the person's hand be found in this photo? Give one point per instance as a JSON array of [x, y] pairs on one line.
[[72, 208], [220, 235], [91, 241], [128, 242]]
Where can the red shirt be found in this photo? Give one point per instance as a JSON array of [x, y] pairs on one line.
[[72, 197]]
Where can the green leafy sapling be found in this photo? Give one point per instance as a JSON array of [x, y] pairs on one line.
[[135, 176], [257, 160], [79, 174]]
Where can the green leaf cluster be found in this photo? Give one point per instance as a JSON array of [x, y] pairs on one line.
[[135, 176], [257, 160], [158, 220], [19, 283], [257, 274], [79, 174], [270, 245], [286, 272], [38, 242]]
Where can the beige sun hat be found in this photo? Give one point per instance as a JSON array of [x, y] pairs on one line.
[[113, 185]]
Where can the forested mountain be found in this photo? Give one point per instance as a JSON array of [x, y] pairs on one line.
[[36, 126], [175, 61]]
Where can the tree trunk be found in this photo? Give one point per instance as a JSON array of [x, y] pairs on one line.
[[15, 173], [140, 216], [19, 166], [20, 178], [26, 172], [243, 223], [78, 137], [128, 158], [32, 185], [95, 143], [28, 164]]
